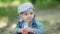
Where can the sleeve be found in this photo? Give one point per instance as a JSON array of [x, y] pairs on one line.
[[15, 29], [38, 30]]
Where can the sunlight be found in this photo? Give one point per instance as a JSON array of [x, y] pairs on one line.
[[12, 26], [15, 3], [3, 22], [1, 4], [51, 22]]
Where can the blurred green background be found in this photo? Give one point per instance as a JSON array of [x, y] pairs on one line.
[[47, 12]]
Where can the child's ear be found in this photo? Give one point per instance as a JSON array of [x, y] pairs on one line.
[[20, 14]]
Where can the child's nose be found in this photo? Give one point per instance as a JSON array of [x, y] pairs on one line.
[[29, 16]]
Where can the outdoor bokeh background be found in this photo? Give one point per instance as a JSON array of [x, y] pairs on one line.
[[47, 12]]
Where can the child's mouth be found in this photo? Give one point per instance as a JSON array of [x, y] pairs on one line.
[[29, 19]]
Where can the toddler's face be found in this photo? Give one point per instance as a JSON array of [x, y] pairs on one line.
[[27, 15]]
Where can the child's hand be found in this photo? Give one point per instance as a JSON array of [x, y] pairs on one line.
[[20, 30], [29, 30]]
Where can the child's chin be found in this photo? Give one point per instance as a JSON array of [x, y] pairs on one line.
[[28, 20]]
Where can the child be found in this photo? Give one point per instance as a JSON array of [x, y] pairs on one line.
[[27, 22]]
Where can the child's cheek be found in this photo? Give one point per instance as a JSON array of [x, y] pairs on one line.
[[24, 18]]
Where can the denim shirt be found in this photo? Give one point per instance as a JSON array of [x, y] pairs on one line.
[[37, 29]]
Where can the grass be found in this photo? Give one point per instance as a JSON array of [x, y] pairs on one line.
[[45, 16], [48, 17]]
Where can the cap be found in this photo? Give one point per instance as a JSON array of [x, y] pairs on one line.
[[24, 7]]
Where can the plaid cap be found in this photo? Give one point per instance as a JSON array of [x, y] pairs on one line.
[[24, 7]]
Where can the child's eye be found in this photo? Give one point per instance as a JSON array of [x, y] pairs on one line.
[[31, 13], [26, 14]]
